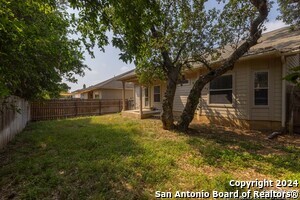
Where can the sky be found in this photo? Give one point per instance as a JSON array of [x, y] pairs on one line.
[[106, 64]]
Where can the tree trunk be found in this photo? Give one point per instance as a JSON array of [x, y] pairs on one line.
[[191, 105], [255, 33], [167, 113]]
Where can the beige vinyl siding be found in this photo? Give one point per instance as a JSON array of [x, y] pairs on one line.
[[292, 61], [243, 93], [137, 97], [272, 112], [84, 95], [157, 105], [277, 89], [97, 92], [181, 95], [218, 110], [115, 94]]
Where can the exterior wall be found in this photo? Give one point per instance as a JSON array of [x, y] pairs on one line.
[[182, 92], [97, 92], [240, 123], [157, 105], [76, 96], [293, 94], [242, 113], [292, 61], [243, 107], [116, 94], [84, 95]]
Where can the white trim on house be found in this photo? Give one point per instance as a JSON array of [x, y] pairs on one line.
[[253, 88], [230, 105]]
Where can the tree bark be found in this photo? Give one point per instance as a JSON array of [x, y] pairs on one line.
[[193, 98], [167, 112], [172, 72]]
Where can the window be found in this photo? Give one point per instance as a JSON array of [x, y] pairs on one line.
[[97, 96], [157, 93], [220, 90], [261, 84]]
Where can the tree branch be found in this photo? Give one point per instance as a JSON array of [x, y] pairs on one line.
[[179, 52], [255, 34], [165, 54]]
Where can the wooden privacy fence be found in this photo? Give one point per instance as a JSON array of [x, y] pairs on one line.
[[293, 110], [56, 109], [14, 115]]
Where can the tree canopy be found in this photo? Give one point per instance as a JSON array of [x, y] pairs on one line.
[[36, 52], [290, 12], [165, 37]]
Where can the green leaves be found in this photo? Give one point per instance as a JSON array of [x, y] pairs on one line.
[[294, 76], [290, 12], [35, 51]]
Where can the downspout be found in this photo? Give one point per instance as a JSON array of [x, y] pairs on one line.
[[283, 96]]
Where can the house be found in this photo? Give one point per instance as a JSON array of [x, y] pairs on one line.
[[109, 89], [253, 95]]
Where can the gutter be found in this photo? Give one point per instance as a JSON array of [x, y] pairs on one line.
[[292, 52]]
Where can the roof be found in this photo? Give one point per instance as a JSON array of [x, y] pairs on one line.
[[112, 83], [128, 76], [282, 40]]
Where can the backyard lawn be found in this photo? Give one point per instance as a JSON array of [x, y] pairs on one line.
[[111, 157]]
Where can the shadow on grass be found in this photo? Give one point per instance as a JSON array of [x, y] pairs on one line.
[[76, 159], [229, 150]]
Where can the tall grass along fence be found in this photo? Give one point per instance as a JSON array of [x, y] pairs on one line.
[[57, 109], [14, 115]]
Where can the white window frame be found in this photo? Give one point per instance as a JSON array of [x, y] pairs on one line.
[[157, 93], [230, 105], [253, 90]]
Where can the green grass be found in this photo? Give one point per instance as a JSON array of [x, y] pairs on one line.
[[111, 157]]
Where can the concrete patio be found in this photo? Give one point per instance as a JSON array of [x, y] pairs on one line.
[[146, 113]]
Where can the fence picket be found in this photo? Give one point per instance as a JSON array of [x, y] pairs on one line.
[[56, 109]]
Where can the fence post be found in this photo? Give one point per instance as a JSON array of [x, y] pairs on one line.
[[119, 105], [100, 107], [76, 109]]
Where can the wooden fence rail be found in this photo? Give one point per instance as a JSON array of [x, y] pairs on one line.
[[56, 109]]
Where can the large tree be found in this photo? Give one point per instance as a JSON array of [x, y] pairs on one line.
[[169, 36], [35, 50], [290, 12]]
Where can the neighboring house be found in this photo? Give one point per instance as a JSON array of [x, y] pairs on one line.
[[252, 95], [109, 89], [65, 95]]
